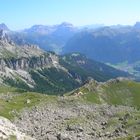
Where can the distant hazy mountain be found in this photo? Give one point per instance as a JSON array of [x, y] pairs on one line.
[[43, 29], [113, 44], [52, 38], [137, 25], [47, 37], [92, 26], [105, 44]]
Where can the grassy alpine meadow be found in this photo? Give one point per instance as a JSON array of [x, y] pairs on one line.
[[13, 100]]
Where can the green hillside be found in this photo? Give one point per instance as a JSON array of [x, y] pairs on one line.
[[72, 71], [13, 100], [113, 92]]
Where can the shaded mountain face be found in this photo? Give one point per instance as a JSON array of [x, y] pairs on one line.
[[108, 44], [87, 67], [30, 68], [137, 25]]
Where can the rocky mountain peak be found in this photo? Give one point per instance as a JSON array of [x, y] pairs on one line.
[[4, 37], [2, 34], [39, 28], [66, 24], [3, 27]]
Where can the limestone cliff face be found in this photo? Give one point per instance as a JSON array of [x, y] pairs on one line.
[[34, 62], [23, 57], [16, 62]]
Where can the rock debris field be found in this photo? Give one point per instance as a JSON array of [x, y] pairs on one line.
[[67, 119]]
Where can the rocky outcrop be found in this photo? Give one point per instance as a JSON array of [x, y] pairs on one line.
[[9, 131], [4, 27], [4, 37]]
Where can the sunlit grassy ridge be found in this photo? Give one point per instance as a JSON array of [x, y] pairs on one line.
[[115, 93], [123, 93]]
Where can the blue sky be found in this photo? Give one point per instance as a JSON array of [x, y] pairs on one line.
[[19, 14]]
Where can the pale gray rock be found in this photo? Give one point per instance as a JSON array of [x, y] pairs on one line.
[[9, 131]]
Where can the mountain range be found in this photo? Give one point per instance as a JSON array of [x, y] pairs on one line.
[[51, 38], [102, 43], [31, 68], [106, 44]]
